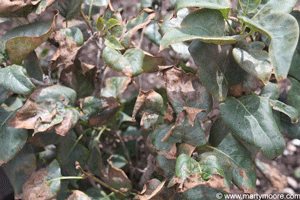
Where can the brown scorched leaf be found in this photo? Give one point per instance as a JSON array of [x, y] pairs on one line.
[[151, 190], [17, 8], [22, 40], [47, 108], [185, 90]]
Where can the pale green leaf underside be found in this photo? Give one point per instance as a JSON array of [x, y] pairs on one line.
[[205, 24], [221, 5], [286, 109], [14, 79], [251, 119], [249, 6], [283, 31], [255, 63]]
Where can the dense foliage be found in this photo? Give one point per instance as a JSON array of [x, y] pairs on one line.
[[68, 131]]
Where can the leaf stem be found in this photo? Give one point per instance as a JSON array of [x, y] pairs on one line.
[[90, 9], [98, 180], [66, 178], [87, 21], [233, 31]]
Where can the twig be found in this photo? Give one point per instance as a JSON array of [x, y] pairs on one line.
[[98, 180], [87, 21], [40, 83]]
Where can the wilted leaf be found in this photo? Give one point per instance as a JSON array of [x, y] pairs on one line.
[[151, 189], [286, 109], [18, 169], [185, 90], [135, 24], [100, 110], [48, 107], [18, 8], [115, 86], [11, 140], [251, 119], [39, 185], [118, 179], [254, 60], [205, 24], [69, 9], [150, 102], [14, 79], [221, 5], [283, 30], [22, 40], [276, 178], [77, 194], [31, 64]]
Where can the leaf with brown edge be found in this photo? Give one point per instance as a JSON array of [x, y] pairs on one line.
[[185, 90], [22, 40], [17, 8], [115, 86], [192, 114], [151, 189], [276, 178], [47, 108], [117, 178], [100, 110], [150, 101], [39, 184]]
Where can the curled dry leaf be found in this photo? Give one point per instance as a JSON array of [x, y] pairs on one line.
[[276, 178], [117, 178], [151, 189], [42, 113], [17, 8], [150, 101], [100, 110], [186, 90]]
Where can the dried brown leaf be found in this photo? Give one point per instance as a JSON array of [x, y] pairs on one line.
[[110, 106], [192, 114], [16, 8], [169, 116], [151, 190], [169, 154]]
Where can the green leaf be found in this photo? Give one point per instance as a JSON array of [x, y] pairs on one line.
[[146, 3], [100, 24], [22, 40], [74, 34], [295, 65], [31, 64], [115, 86], [130, 63], [97, 194], [39, 182], [113, 42], [186, 166], [114, 27], [283, 30], [221, 5], [11, 140], [153, 34], [69, 9], [3, 94], [251, 119], [207, 25], [202, 192], [290, 130], [248, 6], [254, 60], [159, 146], [286, 109], [218, 132], [271, 90], [14, 79], [185, 133], [232, 151], [293, 98], [274, 6], [18, 169], [68, 152]]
